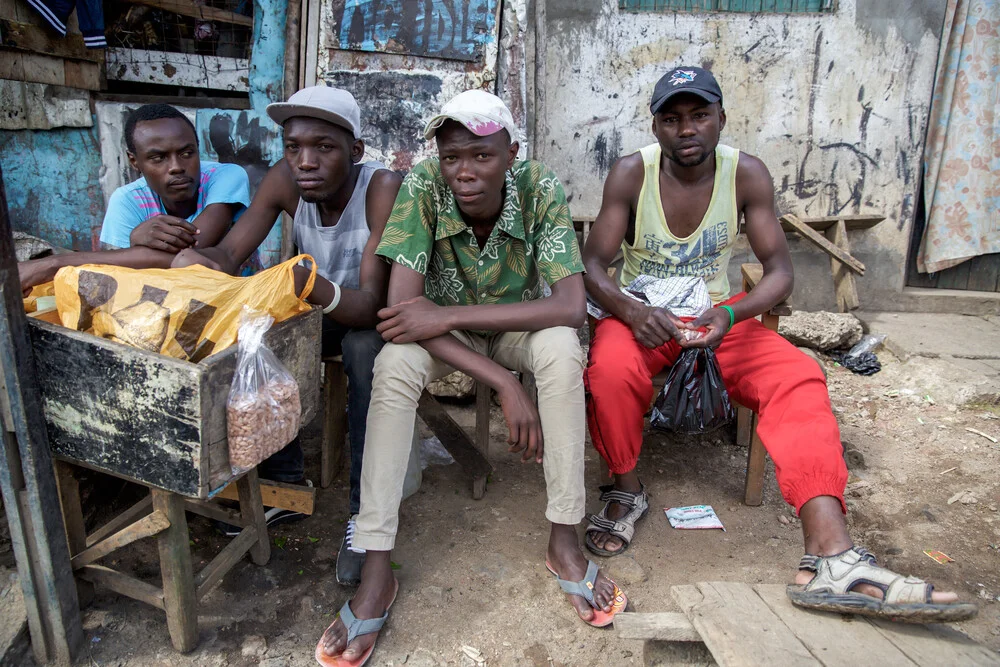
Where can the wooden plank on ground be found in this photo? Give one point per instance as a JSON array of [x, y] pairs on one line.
[[738, 627], [843, 280], [188, 8], [453, 437], [933, 646], [35, 39], [838, 640], [147, 526], [122, 584], [853, 222], [278, 494], [820, 242], [665, 626]]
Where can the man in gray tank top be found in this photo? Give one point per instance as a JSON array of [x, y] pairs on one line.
[[340, 206]]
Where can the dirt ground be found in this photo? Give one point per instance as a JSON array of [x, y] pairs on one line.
[[471, 572]]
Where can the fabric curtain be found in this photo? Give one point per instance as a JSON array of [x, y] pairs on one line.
[[962, 155]]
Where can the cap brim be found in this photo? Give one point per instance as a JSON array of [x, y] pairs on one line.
[[469, 122], [282, 111], [711, 98]]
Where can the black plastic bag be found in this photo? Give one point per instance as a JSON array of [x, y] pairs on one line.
[[694, 399]]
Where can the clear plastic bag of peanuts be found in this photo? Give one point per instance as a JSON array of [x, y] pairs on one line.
[[263, 410]]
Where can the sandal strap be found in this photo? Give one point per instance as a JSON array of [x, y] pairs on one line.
[[624, 527], [356, 626], [630, 499], [585, 587], [840, 573]]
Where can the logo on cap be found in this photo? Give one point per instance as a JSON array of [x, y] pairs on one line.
[[682, 76]]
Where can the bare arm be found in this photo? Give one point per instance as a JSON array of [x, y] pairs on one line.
[[360, 307], [43, 270], [651, 326], [405, 284], [767, 239]]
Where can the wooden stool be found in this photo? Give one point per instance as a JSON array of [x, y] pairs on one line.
[[182, 589], [334, 419]]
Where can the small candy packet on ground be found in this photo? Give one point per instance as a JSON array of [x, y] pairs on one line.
[[939, 557], [693, 517]]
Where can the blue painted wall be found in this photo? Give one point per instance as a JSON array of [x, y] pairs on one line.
[[51, 181], [51, 177]]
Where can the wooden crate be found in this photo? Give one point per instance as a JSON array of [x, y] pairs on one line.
[[150, 418]]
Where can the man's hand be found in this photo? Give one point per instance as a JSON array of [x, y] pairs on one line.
[[412, 320], [191, 257], [166, 233], [522, 420], [715, 321], [654, 326]]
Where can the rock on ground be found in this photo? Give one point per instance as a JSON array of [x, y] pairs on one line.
[[455, 385], [821, 331]]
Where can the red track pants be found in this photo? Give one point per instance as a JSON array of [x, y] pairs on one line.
[[761, 370]]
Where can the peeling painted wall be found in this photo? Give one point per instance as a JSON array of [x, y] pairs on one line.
[[835, 104], [399, 92], [58, 181]]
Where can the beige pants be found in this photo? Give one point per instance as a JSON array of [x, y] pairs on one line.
[[554, 357]]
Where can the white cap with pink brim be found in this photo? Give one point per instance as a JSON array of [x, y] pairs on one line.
[[480, 112]]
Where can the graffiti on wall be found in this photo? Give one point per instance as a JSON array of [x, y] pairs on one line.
[[453, 29]]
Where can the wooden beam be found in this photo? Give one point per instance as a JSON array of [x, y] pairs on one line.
[[179, 599], [188, 8], [208, 509], [149, 525], [212, 574], [843, 280], [122, 584], [752, 274], [453, 437], [853, 222], [125, 518], [35, 39], [665, 626], [278, 494], [820, 242], [334, 401], [238, 103], [178, 69]]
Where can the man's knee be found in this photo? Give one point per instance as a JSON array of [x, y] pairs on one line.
[[556, 352], [360, 348], [407, 364]]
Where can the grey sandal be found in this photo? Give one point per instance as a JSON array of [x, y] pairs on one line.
[[585, 589], [355, 628], [905, 599], [622, 528]]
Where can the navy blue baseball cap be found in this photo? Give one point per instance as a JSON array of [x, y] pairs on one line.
[[694, 80]]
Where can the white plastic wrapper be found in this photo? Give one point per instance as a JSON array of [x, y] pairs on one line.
[[693, 517]]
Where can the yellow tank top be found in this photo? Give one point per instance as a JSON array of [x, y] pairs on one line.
[[655, 251]]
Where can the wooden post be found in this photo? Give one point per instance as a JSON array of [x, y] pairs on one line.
[[334, 421], [27, 480], [252, 511], [753, 490], [179, 597], [76, 533], [843, 278]]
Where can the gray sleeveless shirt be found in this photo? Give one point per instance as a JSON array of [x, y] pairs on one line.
[[337, 249]]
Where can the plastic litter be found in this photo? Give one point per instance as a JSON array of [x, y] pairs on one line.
[[693, 399], [693, 517], [433, 453]]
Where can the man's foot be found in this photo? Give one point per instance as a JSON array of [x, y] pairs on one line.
[[372, 599], [568, 562], [350, 558], [846, 583], [611, 531]]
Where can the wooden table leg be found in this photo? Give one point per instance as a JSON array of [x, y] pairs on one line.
[[252, 511], [334, 422], [179, 597], [753, 492], [76, 533]]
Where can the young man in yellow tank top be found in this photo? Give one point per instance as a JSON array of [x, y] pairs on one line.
[[673, 209]]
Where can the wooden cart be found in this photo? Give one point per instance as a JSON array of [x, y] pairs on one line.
[[159, 422]]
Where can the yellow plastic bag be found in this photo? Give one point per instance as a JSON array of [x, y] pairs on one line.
[[186, 313], [38, 292]]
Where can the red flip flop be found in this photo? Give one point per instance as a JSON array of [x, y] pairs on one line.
[[355, 628], [585, 589]]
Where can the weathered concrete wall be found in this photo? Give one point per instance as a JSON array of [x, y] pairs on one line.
[[835, 104], [400, 85]]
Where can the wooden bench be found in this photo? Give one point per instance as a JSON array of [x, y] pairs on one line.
[[739, 625]]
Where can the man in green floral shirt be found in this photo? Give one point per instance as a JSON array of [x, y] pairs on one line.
[[474, 237]]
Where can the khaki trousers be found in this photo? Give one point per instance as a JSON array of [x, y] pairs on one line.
[[553, 356]]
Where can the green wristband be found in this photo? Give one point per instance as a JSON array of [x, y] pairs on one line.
[[732, 316]]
